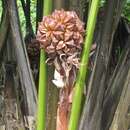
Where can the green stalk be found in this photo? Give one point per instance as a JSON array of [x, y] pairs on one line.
[[76, 104], [41, 119]]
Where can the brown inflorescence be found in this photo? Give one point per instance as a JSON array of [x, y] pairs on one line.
[[61, 33]]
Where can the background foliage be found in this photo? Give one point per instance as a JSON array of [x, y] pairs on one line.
[[22, 17], [126, 13], [0, 8]]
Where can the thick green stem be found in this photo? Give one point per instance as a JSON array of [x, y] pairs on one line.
[[47, 7], [76, 105], [41, 121]]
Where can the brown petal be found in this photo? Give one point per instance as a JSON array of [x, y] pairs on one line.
[[80, 25], [43, 36], [59, 52], [58, 34], [60, 45], [39, 33], [80, 39], [44, 42], [68, 35], [62, 15], [68, 18], [76, 35], [66, 49], [60, 27], [71, 14], [54, 40], [50, 49], [72, 51], [48, 34], [42, 29], [71, 43], [52, 23], [70, 26], [44, 18], [55, 15], [76, 62], [45, 22]]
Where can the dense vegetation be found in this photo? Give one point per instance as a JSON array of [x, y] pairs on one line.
[[126, 10], [92, 66], [22, 17], [126, 13]]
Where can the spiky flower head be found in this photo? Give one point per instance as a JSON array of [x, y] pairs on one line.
[[61, 36]]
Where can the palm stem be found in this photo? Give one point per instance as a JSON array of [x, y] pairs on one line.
[[41, 121], [76, 105]]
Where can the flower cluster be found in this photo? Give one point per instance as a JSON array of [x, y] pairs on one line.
[[61, 35]]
